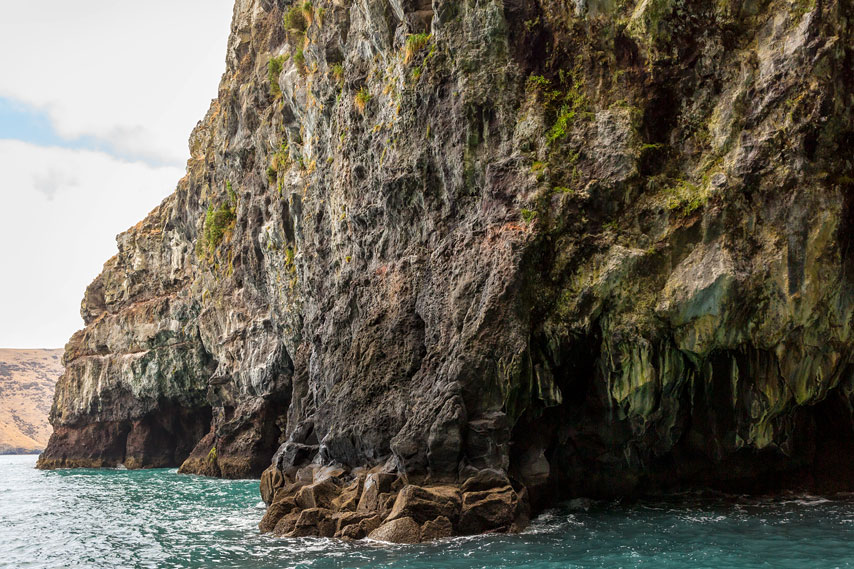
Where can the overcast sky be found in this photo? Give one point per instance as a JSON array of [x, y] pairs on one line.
[[97, 100]]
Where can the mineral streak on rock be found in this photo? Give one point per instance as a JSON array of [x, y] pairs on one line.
[[538, 248]]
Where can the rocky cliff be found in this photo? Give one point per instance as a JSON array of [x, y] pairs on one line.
[[485, 254], [27, 379]]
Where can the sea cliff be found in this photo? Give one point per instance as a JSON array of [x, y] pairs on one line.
[[444, 263]]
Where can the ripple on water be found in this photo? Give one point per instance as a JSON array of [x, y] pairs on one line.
[[159, 519]]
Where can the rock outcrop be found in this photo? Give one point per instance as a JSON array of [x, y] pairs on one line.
[[316, 501], [581, 248]]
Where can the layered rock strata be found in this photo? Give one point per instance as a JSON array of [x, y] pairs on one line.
[[600, 248]]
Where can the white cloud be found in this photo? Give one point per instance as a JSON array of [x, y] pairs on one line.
[[51, 180], [132, 78], [60, 211], [138, 75]]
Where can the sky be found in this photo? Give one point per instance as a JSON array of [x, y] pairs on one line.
[[97, 101]]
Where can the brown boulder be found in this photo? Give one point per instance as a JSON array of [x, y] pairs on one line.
[[425, 504], [276, 511], [355, 525], [314, 522], [288, 489], [271, 480], [376, 483], [386, 503], [439, 528], [485, 479], [333, 472], [348, 500], [535, 468], [401, 530], [523, 511], [286, 525], [317, 495], [491, 510], [305, 475]]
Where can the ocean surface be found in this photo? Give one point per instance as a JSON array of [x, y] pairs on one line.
[[159, 519]]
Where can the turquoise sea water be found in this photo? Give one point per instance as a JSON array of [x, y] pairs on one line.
[[158, 519]]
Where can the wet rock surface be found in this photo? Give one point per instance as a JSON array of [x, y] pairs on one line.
[[447, 263]]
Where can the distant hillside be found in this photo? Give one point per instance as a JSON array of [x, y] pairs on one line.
[[27, 381]]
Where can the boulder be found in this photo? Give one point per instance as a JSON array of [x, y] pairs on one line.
[[294, 455], [534, 468], [286, 524], [439, 528], [425, 504], [401, 530], [275, 512], [317, 495], [523, 511], [355, 525], [305, 475], [376, 483], [490, 510], [485, 479], [271, 480], [314, 522], [348, 499], [329, 472], [385, 503]]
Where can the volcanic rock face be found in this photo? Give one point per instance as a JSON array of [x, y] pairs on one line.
[[599, 248]]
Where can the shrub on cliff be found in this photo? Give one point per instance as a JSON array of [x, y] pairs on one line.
[[338, 72], [361, 100], [220, 219], [294, 19], [414, 44], [308, 12], [217, 221], [274, 68]]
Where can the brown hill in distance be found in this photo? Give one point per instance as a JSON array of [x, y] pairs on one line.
[[27, 381]]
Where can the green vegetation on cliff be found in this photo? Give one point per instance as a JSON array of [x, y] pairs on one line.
[[274, 68], [219, 220]]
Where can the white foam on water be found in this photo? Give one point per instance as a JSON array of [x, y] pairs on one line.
[[807, 500]]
